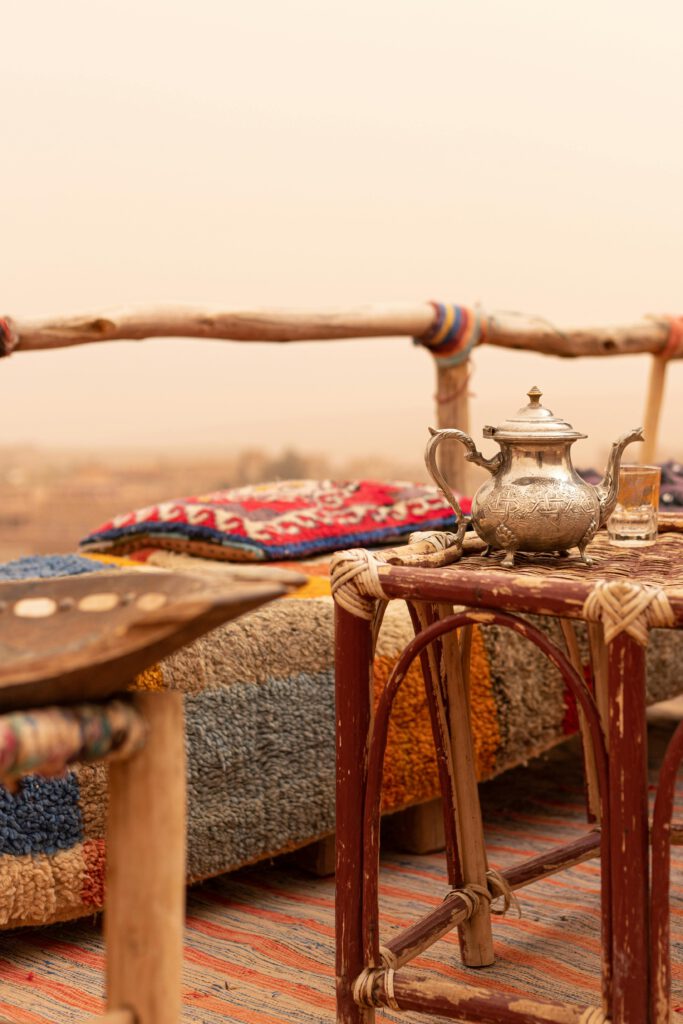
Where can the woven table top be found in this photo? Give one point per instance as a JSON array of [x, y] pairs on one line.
[[658, 565], [544, 583]]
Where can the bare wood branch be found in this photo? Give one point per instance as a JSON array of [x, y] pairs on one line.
[[537, 334], [653, 410], [477, 938], [255, 325], [507, 330], [452, 410]]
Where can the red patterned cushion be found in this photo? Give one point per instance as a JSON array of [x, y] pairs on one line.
[[289, 519]]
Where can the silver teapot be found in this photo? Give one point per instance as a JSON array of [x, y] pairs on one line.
[[535, 500]]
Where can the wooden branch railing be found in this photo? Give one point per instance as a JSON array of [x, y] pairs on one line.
[[659, 336], [506, 329]]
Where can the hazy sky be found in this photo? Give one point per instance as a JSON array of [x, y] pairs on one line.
[[526, 154]]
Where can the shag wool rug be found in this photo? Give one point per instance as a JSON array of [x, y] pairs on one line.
[[260, 943], [259, 706]]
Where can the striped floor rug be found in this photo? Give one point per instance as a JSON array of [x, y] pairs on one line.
[[260, 943]]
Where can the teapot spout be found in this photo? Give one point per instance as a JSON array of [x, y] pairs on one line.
[[609, 485]]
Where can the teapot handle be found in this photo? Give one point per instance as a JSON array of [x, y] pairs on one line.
[[437, 436]]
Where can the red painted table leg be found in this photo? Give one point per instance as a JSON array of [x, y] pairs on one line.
[[660, 912], [629, 830], [353, 673]]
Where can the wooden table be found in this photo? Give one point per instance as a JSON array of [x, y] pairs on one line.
[[85, 638], [622, 596]]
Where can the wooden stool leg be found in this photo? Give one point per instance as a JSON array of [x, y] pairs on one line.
[[145, 893], [476, 938], [353, 682]]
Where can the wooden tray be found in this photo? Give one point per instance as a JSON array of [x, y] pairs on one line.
[[86, 637]]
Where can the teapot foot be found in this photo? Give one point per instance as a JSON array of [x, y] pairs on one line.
[[509, 560], [583, 557]]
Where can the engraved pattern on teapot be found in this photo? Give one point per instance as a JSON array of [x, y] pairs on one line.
[[538, 516], [563, 501]]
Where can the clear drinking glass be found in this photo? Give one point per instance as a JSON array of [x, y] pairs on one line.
[[633, 524]]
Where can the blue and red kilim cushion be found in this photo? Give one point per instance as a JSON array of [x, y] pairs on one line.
[[283, 520]]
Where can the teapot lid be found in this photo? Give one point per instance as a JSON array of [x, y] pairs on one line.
[[533, 422]]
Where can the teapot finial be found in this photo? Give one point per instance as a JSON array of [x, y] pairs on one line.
[[535, 395]]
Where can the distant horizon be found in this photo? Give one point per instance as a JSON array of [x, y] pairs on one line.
[[131, 455]]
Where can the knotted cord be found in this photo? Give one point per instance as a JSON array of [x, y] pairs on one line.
[[497, 887], [366, 985], [456, 330]]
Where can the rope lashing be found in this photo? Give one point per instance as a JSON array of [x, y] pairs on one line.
[[355, 581], [9, 337], [354, 576], [390, 964], [46, 740], [623, 606], [497, 887], [471, 895], [438, 540], [500, 888], [367, 984], [674, 343], [594, 1015], [456, 330], [389, 989], [366, 988], [389, 959]]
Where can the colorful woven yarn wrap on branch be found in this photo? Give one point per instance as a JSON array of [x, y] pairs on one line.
[[674, 343], [9, 338], [45, 741], [455, 332]]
